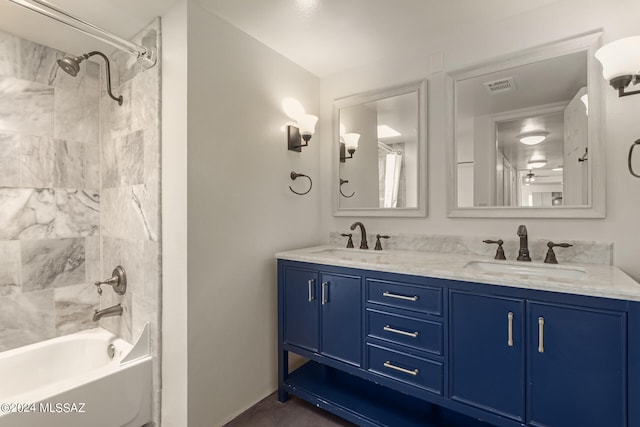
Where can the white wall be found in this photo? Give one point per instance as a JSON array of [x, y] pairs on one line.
[[240, 211], [469, 46], [174, 217]]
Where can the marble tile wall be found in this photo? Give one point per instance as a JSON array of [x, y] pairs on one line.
[[130, 195], [49, 194], [581, 252]]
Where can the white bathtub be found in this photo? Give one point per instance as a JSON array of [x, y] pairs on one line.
[[71, 381]]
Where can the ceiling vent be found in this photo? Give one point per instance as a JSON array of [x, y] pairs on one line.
[[502, 85]]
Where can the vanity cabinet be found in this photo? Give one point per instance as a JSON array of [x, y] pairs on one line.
[[488, 353], [576, 366], [321, 313], [389, 349]]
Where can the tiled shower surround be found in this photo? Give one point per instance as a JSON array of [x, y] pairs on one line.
[[49, 194], [79, 194]]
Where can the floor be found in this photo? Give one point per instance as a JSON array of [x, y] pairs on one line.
[[294, 413]]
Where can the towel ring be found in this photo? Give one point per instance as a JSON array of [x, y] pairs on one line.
[[294, 176], [342, 182], [634, 145]]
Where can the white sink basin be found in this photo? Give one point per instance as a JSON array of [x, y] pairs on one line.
[[555, 272], [352, 254]]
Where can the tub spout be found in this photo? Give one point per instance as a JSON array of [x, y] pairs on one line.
[[115, 310]]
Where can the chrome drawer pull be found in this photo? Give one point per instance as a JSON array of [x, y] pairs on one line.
[[388, 364], [540, 334], [390, 295], [398, 331], [324, 292], [311, 282], [510, 340]]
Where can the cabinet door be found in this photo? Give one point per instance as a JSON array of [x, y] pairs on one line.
[[341, 300], [301, 308], [577, 366], [487, 353]]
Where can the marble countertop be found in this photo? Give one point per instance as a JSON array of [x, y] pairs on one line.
[[600, 280]]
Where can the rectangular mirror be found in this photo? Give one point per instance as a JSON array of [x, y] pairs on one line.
[[525, 135], [379, 154]]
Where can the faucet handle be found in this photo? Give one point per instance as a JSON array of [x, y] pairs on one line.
[[118, 281], [499, 251], [350, 241], [378, 243], [551, 255]]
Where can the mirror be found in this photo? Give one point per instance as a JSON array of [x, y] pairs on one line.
[[380, 152], [525, 137]]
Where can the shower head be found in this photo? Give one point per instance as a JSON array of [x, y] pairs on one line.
[[72, 66]]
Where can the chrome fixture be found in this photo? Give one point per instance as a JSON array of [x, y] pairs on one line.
[[350, 241], [523, 254], [115, 310], [111, 351], [551, 256], [302, 132], [146, 56], [348, 143], [118, 281], [72, 66], [363, 234], [621, 64], [378, 246], [499, 251], [294, 176]]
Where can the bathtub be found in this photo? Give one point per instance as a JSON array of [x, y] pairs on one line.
[[72, 381]]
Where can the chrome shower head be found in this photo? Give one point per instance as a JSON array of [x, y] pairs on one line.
[[71, 65]]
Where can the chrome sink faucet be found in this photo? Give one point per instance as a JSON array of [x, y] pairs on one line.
[[363, 234], [523, 254]]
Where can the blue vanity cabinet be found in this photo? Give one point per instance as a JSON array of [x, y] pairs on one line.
[[576, 366], [300, 307], [487, 353], [340, 299], [321, 312]]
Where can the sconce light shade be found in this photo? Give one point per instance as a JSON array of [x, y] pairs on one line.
[[348, 143], [621, 63], [307, 126], [351, 141], [533, 138], [304, 131]]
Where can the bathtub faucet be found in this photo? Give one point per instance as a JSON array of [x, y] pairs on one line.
[[115, 310]]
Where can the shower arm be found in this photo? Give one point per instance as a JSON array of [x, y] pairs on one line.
[[108, 70], [147, 57]]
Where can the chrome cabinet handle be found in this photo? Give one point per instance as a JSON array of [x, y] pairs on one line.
[[510, 339], [390, 295], [540, 334], [398, 331], [324, 292], [388, 364], [311, 282]]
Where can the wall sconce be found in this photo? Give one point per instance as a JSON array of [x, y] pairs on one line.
[[621, 63], [305, 129], [348, 143]]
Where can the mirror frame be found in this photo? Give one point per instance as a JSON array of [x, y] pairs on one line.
[[597, 154], [420, 87]]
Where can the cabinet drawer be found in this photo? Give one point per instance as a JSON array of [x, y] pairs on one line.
[[420, 334], [393, 294], [423, 373]]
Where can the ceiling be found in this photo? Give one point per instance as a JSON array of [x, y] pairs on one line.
[[323, 36]]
